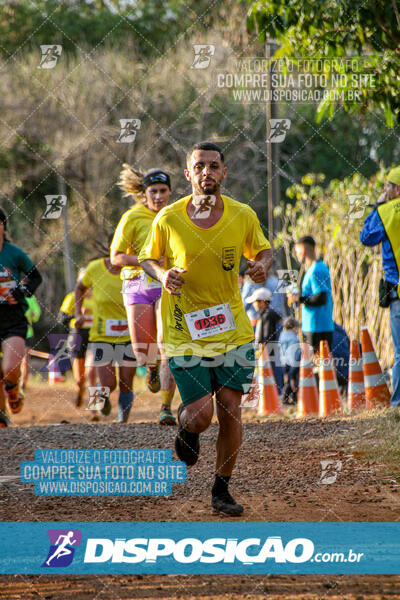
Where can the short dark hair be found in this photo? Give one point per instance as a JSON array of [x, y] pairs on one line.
[[205, 146], [4, 219], [306, 240]]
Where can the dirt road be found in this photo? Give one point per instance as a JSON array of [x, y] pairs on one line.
[[277, 479]]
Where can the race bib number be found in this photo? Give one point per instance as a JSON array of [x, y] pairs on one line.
[[116, 327], [210, 321], [5, 287]]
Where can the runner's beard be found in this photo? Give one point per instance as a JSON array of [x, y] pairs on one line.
[[209, 189]]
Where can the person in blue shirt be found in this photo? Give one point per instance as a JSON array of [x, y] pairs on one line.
[[316, 295], [19, 279], [382, 226]]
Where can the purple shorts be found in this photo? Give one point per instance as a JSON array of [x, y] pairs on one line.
[[141, 290]]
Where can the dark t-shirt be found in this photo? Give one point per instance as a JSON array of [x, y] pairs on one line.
[[14, 264], [266, 328]]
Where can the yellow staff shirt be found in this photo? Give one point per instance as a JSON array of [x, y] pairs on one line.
[[211, 257]]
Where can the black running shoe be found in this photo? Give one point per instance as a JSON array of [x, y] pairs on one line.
[[4, 420], [187, 444], [225, 504], [106, 406]]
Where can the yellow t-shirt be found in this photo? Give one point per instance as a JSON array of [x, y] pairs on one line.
[[109, 316], [131, 234], [68, 308], [211, 257]]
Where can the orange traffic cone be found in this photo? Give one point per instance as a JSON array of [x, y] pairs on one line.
[[54, 372], [376, 389], [269, 402], [356, 389], [307, 401], [329, 397]]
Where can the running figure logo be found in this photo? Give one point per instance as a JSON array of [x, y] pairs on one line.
[[55, 204], [286, 278], [61, 350], [357, 205], [203, 204], [50, 55], [330, 471], [97, 397], [129, 128], [278, 130], [59, 354], [251, 393], [202, 55], [62, 547]]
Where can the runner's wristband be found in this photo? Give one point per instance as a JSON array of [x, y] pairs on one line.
[[20, 292], [32, 280]]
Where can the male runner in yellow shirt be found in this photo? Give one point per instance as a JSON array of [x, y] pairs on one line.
[[207, 334]]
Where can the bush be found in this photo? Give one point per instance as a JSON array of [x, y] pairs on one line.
[[329, 216]]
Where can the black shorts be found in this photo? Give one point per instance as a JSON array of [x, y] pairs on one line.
[[78, 341], [29, 342], [314, 337], [12, 322]]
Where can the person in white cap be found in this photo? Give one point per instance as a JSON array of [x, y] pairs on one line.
[[266, 329]]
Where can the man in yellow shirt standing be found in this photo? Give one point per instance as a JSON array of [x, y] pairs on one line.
[[207, 334]]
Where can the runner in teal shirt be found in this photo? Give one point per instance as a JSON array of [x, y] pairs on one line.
[[19, 279]]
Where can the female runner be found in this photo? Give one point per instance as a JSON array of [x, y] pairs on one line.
[[151, 193]]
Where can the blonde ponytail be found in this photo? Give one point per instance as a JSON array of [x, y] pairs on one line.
[[131, 183]]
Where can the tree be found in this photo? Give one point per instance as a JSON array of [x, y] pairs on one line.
[[151, 27], [339, 29], [74, 24]]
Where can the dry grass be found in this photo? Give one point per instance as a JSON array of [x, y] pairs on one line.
[[374, 437]]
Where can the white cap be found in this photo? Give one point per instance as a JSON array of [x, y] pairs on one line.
[[260, 294]]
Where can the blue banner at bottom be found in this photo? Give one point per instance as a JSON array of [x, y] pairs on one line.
[[199, 548]]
